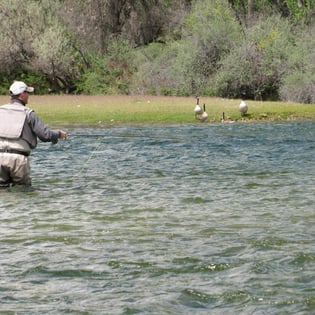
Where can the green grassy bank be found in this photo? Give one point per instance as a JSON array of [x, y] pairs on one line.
[[81, 109]]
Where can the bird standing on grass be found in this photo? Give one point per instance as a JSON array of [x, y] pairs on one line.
[[198, 109], [199, 113], [243, 108], [204, 115]]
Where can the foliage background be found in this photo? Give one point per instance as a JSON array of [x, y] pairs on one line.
[[250, 49]]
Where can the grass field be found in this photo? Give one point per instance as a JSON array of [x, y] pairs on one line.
[[96, 110]]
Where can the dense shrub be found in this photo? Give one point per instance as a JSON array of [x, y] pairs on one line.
[[154, 75], [110, 73], [183, 67], [254, 68], [36, 80], [298, 88], [34, 40], [240, 49], [299, 82]]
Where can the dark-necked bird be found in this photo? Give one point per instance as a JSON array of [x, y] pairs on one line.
[[198, 109], [204, 115]]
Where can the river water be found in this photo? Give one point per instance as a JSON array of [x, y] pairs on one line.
[[180, 219]]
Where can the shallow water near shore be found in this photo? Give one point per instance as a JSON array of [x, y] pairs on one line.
[[179, 219]]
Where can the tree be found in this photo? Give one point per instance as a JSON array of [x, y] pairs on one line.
[[95, 22], [35, 39]]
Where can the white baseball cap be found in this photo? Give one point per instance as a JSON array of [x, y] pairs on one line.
[[18, 87]]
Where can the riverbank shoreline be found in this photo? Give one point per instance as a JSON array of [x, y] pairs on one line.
[[108, 110]]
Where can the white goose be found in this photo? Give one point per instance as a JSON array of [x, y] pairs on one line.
[[243, 108]]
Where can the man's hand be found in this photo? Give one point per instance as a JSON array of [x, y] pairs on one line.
[[62, 135]]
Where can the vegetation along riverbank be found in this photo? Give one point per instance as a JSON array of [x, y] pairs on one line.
[[244, 49], [105, 110]]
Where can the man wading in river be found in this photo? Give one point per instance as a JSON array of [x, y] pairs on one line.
[[19, 129]]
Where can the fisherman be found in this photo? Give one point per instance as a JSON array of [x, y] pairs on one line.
[[19, 129]]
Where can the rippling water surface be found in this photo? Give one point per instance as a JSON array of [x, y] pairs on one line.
[[183, 219]]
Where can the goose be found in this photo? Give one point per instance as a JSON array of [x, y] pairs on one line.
[[243, 108], [228, 120], [204, 115], [223, 118], [198, 109]]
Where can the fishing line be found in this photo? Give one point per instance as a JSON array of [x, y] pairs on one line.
[[124, 136], [99, 142], [87, 160]]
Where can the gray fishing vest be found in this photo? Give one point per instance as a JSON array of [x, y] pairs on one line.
[[14, 125]]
